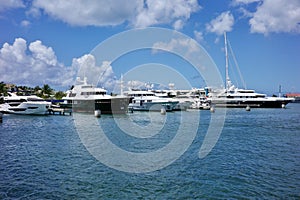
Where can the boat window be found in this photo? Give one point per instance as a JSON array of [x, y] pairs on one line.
[[72, 94], [87, 86], [32, 99], [100, 93]]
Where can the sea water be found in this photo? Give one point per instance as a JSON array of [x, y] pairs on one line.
[[256, 156]]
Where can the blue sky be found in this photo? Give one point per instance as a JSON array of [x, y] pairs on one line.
[[48, 41]]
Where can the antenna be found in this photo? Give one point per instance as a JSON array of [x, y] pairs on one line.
[[279, 91]]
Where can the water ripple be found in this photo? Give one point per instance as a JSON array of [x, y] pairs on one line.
[[256, 157]]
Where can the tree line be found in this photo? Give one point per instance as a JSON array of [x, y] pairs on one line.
[[45, 92]]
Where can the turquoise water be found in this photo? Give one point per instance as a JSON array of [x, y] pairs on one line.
[[256, 156]]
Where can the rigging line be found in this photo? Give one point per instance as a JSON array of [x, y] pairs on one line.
[[235, 76], [102, 75], [237, 66]]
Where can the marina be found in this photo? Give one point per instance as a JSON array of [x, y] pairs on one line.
[[134, 100], [257, 152]]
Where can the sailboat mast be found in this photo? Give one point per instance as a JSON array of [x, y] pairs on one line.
[[226, 63]]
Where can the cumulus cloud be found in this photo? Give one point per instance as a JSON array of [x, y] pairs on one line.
[[11, 4], [169, 11], [36, 64], [188, 46], [25, 23], [89, 12], [237, 2], [178, 24], [271, 15], [223, 23], [198, 36], [102, 75], [102, 13], [276, 16], [33, 64]]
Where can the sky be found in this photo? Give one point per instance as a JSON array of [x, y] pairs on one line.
[[51, 41]]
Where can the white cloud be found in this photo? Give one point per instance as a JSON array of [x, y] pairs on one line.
[[25, 23], [177, 45], [10, 4], [178, 24], [137, 13], [89, 12], [198, 36], [223, 23], [162, 12], [276, 16], [41, 53], [237, 2], [97, 75], [35, 64]]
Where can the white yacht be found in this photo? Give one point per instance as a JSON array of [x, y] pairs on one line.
[[235, 97], [143, 100], [184, 100], [85, 97], [27, 105]]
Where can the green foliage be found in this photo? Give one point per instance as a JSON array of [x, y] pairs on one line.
[[45, 92], [3, 89], [59, 95]]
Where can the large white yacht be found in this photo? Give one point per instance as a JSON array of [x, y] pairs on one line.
[[232, 96], [85, 97], [27, 105], [235, 97], [144, 100]]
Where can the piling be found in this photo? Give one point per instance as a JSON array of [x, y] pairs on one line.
[[248, 108], [163, 111], [1, 117], [212, 109], [98, 113]]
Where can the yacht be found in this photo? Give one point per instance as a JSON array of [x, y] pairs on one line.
[[184, 100], [84, 97], [232, 96], [235, 97], [27, 105], [144, 100]]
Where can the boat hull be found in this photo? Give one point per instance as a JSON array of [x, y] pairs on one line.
[[153, 106], [253, 104], [106, 106], [27, 108]]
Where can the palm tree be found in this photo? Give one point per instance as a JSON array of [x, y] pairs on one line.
[[46, 90]]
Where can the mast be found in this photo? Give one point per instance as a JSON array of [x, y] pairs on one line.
[[226, 64], [121, 84]]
